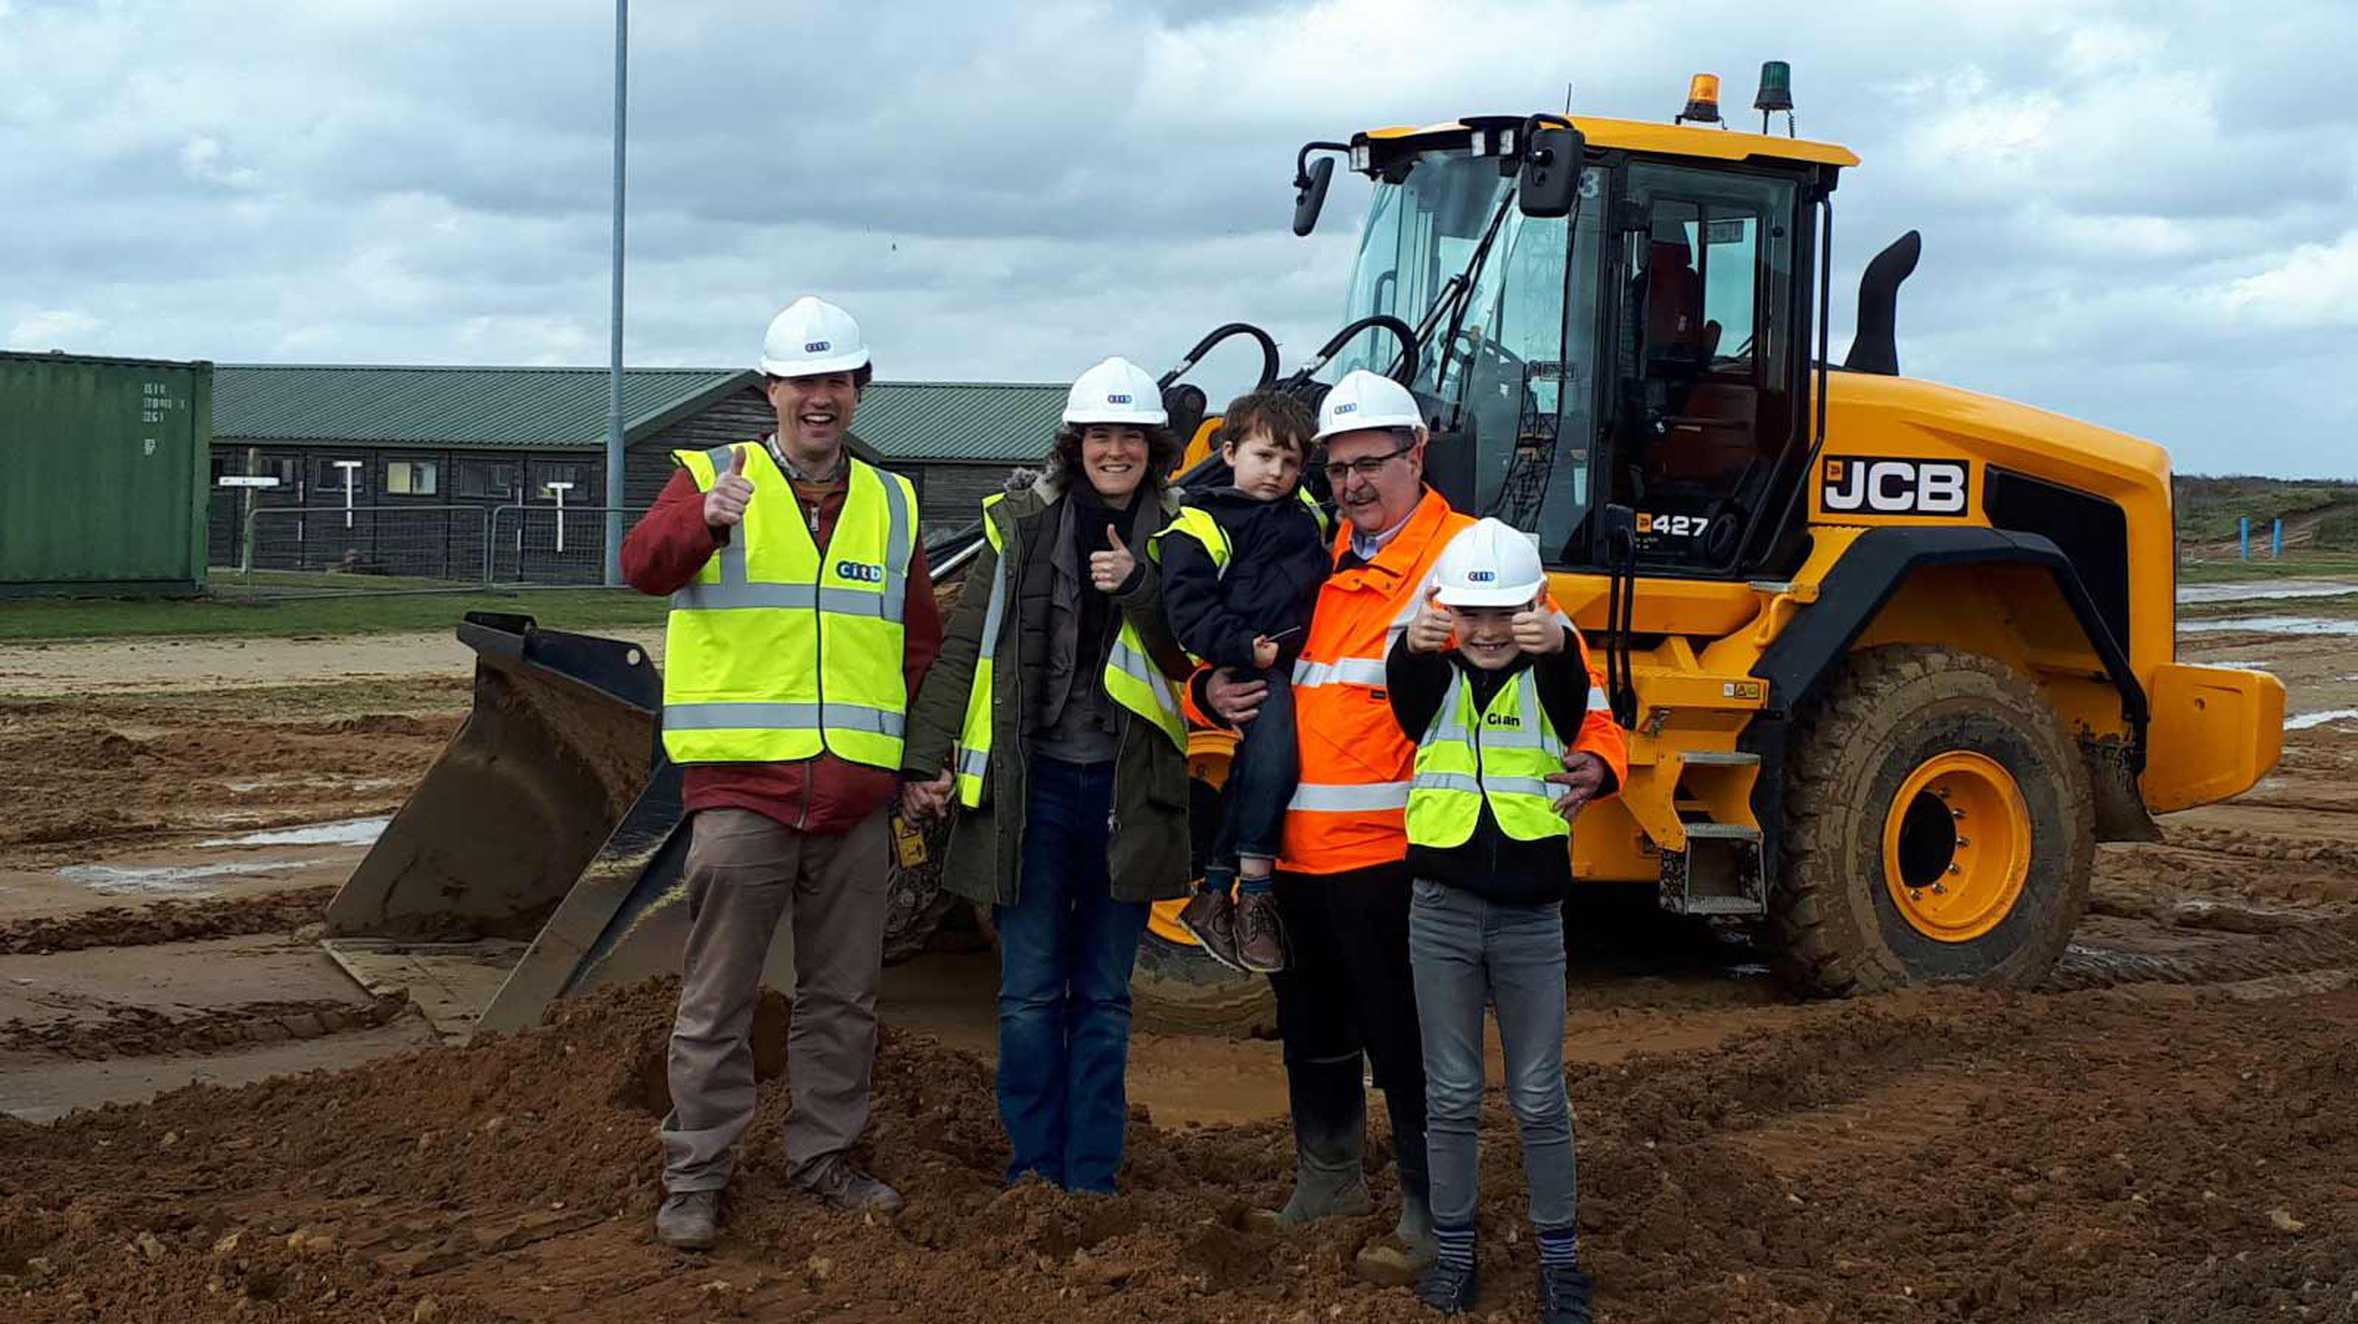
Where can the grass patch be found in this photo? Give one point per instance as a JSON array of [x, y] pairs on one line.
[[2208, 509], [587, 609], [2301, 564]]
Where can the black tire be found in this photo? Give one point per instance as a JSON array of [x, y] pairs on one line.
[[1833, 922], [915, 903], [1176, 989]]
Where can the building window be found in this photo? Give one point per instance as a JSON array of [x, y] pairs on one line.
[[575, 476], [486, 480], [286, 470], [412, 477], [329, 480]]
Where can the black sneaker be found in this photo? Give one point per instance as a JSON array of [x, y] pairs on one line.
[[1563, 1296], [1450, 1289]]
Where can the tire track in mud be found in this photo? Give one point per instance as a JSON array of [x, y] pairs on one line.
[[2300, 951]]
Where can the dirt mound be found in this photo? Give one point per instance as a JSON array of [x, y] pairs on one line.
[[1955, 1157], [124, 1031], [165, 921]]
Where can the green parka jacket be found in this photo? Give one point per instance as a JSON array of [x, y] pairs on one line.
[[1149, 857]]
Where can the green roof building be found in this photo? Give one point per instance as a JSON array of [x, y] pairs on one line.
[[404, 469]]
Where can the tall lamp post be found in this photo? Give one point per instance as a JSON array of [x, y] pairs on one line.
[[614, 440]]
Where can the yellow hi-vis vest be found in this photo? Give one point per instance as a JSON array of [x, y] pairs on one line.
[[780, 648], [1131, 678], [1502, 754]]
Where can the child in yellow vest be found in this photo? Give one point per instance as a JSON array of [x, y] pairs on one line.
[[1513, 739]]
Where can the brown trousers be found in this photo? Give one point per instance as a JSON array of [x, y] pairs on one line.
[[744, 874]]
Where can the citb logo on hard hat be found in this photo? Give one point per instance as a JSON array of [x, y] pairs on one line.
[[1481, 576], [1348, 408], [1117, 399], [816, 347]]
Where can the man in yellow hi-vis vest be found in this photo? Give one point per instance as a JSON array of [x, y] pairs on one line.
[[802, 620]]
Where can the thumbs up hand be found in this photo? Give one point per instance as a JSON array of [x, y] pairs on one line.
[[724, 505], [1111, 569], [1434, 624]]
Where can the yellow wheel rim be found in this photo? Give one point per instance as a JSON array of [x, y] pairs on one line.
[[1956, 847]]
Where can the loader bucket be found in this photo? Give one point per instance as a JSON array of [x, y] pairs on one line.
[[536, 858]]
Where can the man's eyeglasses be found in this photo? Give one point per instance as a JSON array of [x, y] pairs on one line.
[[1367, 467]]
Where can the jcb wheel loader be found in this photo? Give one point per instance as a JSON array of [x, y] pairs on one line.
[[1894, 657]]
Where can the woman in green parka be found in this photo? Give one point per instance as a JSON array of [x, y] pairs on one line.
[[1050, 724]]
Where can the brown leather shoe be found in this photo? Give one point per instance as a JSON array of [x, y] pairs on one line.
[[1260, 934], [1211, 917]]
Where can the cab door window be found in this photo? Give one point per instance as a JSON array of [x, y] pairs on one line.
[[1707, 401]]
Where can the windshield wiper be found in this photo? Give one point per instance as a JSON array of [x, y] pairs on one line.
[[1457, 318]]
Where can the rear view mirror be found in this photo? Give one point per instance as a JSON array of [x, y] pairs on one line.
[[1310, 192], [1551, 167]]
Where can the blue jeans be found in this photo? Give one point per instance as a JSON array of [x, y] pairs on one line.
[[1066, 948], [1260, 783], [1466, 951]]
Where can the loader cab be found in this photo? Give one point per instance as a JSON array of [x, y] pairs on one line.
[[1651, 350]]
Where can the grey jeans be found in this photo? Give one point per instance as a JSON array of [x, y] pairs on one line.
[[1465, 952], [745, 873]]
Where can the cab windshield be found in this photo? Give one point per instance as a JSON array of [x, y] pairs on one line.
[[1446, 251]]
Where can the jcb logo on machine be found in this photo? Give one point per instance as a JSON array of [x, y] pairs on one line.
[[1670, 526], [1872, 485], [860, 572]]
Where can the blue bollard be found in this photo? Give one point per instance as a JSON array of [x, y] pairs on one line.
[[2243, 535], [2276, 541]]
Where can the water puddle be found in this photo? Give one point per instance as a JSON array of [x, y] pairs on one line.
[[2272, 625], [2307, 720], [2252, 592], [167, 879], [357, 832]]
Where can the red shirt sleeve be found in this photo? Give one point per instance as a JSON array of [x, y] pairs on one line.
[[921, 624], [671, 542]]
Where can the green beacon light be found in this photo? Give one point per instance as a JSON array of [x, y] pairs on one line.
[[1776, 93]]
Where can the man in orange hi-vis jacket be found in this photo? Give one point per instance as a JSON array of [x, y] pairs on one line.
[[1342, 883]]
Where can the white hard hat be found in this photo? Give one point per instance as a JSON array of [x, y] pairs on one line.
[[1116, 391], [812, 337], [1492, 564], [1366, 400]]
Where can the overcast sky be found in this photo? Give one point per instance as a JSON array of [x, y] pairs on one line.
[[2141, 214]]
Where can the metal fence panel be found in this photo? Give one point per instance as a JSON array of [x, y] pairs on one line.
[[403, 542], [546, 544]]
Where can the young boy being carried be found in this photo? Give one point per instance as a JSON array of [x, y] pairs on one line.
[[1498, 690], [1241, 570]]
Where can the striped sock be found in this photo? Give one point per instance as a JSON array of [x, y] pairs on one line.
[[1456, 1245], [1559, 1247]]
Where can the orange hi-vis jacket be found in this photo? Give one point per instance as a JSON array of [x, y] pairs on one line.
[[1350, 809]]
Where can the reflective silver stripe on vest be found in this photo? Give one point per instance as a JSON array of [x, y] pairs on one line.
[[900, 542], [1364, 797], [1447, 781], [1598, 700], [973, 762], [781, 717], [1532, 734], [1521, 786], [1367, 671], [1141, 668], [995, 614]]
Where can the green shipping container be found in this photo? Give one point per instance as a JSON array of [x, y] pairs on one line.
[[104, 469]]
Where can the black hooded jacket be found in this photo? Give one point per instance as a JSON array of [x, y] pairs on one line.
[[1278, 556]]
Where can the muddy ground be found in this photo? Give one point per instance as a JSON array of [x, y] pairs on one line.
[[2164, 1133]]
